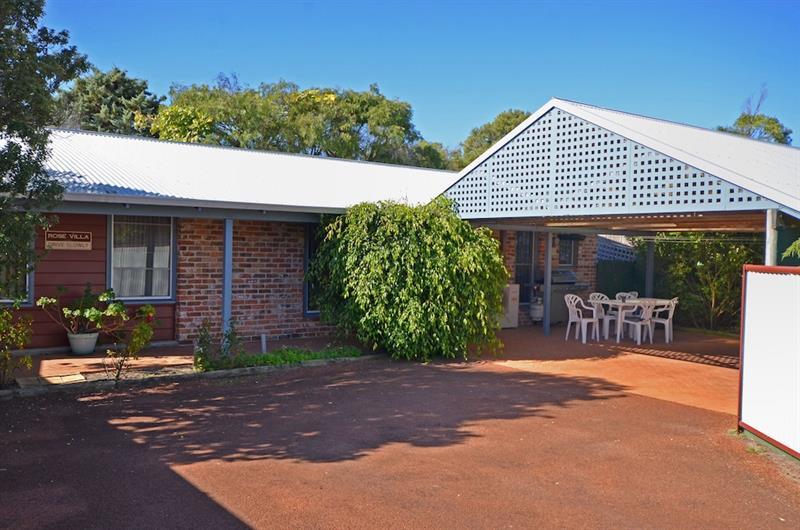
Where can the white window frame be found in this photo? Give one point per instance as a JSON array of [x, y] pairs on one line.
[[110, 262], [573, 244]]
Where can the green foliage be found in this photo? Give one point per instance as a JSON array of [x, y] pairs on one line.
[[758, 126], [281, 117], [183, 124], [108, 102], [15, 333], [282, 357], [704, 271], [88, 313], [792, 251], [231, 353], [482, 138], [416, 281], [130, 340], [207, 353], [204, 347], [34, 62]]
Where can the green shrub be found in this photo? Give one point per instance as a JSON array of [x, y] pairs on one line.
[[416, 281], [130, 337], [281, 357], [704, 270], [15, 333], [208, 353]]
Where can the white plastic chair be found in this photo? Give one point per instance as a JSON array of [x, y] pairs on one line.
[[597, 299], [640, 324], [659, 317], [623, 297], [576, 317]]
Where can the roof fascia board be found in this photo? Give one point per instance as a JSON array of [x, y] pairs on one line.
[[196, 204], [559, 230], [121, 208]]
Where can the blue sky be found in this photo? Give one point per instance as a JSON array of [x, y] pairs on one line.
[[460, 63]]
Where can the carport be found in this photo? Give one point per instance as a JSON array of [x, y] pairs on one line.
[[572, 168]]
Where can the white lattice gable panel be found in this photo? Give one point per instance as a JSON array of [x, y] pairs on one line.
[[563, 165]]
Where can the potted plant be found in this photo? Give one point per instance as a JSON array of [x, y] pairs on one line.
[[84, 318]]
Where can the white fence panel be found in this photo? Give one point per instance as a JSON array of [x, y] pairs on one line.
[[770, 364]]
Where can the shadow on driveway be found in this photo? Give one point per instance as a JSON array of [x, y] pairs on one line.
[[342, 414], [105, 460]]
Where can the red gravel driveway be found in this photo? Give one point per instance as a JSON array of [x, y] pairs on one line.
[[382, 444]]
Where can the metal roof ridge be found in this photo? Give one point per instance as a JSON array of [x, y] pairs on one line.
[[134, 137], [681, 124]]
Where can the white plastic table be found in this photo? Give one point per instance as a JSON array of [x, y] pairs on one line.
[[625, 306]]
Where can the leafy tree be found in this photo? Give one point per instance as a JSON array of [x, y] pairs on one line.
[[182, 124], [226, 114], [34, 62], [108, 102], [753, 124], [704, 271], [435, 156], [282, 117], [416, 281], [482, 138]]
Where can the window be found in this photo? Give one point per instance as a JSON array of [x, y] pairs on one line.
[[141, 256], [310, 301], [9, 292], [567, 251], [523, 266]]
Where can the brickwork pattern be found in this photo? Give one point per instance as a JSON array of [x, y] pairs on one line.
[[199, 276], [267, 284], [268, 277]]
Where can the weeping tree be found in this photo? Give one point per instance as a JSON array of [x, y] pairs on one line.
[[416, 281]]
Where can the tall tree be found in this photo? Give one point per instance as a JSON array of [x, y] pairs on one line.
[[108, 101], [758, 126], [34, 62], [358, 125], [482, 138]]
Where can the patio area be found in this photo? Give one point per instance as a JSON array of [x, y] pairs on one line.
[[698, 369]]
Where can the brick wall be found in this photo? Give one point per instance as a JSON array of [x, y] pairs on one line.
[[586, 267], [267, 284], [268, 273], [199, 276], [508, 246]]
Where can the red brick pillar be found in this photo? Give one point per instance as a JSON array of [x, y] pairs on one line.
[[199, 277], [508, 246]]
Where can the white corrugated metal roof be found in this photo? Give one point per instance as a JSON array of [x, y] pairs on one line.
[[109, 166], [770, 170]]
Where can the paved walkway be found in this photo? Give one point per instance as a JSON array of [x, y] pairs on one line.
[[385, 444]]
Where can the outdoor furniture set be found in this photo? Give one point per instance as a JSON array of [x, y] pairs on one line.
[[638, 315]]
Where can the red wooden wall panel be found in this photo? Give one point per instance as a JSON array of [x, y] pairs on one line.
[[72, 269]]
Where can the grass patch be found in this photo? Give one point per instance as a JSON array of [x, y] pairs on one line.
[[281, 357]]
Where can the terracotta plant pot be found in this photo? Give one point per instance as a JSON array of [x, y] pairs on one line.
[[82, 343]]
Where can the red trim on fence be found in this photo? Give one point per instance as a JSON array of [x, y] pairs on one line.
[[775, 269], [770, 440], [768, 269], [741, 337]]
